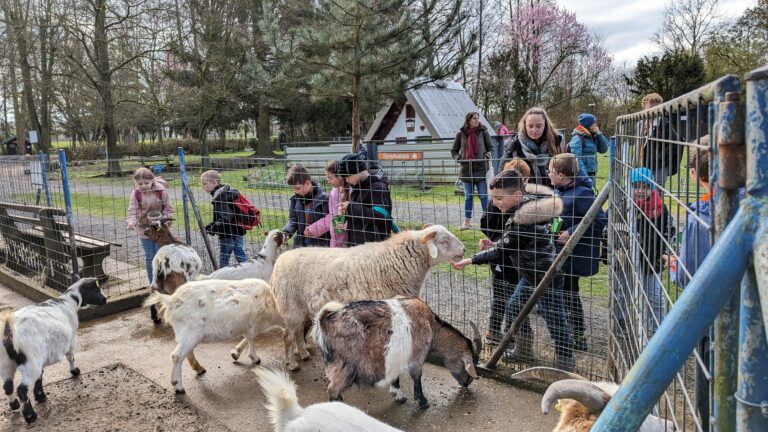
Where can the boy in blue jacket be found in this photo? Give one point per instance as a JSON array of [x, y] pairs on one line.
[[574, 187]]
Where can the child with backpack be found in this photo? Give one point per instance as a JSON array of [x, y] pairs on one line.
[[334, 221], [233, 215], [149, 201], [586, 142]]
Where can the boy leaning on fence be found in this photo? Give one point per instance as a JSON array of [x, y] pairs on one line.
[[224, 222], [655, 231], [527, 244], [309, 204]]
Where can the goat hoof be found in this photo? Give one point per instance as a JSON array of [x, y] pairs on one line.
[[41, 398], [75, 371], [235, 355], [255, 361], [15, 405], [423, 404], [401, 400], [180, 391], [30, 417], [202, 371]]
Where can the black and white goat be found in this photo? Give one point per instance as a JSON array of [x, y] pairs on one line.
[[174, 264], [581, 401], [39, 335], [373, 342]]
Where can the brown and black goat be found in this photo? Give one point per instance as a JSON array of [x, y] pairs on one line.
[[174, 264], [372, 342]]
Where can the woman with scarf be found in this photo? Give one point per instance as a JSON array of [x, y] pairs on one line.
[[535, 143], [586, 142], [472, 149]]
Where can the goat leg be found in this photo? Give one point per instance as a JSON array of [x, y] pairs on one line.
[[75, 371], [153, 315], [8, 388], [199, 369], [418, 394], [38, 391], [394, 390], [235, 353]]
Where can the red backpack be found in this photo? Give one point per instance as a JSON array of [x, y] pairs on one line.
[[158, 193], [248, 216]]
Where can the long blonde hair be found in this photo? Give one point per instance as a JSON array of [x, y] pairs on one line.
[[549, 129]]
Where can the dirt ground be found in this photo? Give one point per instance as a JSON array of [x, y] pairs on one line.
[[125, 386]]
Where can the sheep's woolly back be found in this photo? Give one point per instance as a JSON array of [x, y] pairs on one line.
[[280, 392], [175, 259]]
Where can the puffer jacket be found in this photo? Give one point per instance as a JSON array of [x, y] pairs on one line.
[[224, 223], [586, 147], [473, 171], [363, 224], [156, 199], [577, 199], [313, 207], [527, 243]]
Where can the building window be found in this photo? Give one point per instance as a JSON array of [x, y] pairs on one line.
[[410, 118]]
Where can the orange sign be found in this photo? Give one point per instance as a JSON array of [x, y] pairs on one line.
[[401, 156]]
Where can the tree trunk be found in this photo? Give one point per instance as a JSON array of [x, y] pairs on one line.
[[355, 114], [101, 51], [264, 147], [21, 130]]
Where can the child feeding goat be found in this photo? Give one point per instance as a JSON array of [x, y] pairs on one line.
[[40, 335], [373, 342]]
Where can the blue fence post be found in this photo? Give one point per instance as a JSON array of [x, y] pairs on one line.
[[70, 217], [184, 198], [752, 394], [44, 176]]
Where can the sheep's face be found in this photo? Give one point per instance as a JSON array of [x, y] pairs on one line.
[[443, 245], [90, 292]]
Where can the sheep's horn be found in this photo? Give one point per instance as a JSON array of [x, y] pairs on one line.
[[477, 341], [547, 374], [584, 392]]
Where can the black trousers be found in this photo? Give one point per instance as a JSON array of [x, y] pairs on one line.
[[501, 291], [573, 307]]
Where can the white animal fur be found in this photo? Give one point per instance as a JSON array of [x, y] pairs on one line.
[[400, 346], [175, 258], [212, 310], [258, 267], [305, 279], [287, 415]]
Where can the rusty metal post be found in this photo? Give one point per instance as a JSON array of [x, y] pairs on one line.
[[729, 177]]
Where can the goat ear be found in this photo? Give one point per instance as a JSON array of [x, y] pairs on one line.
[[470, 368]]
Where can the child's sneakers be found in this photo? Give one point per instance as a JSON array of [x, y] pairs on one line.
[[580, 343]]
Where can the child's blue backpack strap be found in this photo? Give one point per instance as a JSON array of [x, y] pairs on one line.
[[382, 211]]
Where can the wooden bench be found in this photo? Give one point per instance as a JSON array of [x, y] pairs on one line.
[[34, 241]]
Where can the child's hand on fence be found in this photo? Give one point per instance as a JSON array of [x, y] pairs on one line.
[[486, 244], [461, 264], [307, 232], [563, 237], [131, 226]]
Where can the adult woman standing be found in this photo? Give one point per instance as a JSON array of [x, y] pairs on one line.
[[535, 143], [472, 149]]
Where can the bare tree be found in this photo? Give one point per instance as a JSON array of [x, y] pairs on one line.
[[689, 25]]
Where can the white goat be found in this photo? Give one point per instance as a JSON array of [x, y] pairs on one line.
[[288, 416], [39, 335], [305, 279], [581, 401], [212, 310], [174, 264], [258, 267]]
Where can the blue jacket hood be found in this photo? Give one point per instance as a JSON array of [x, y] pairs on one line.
[[582, 180]]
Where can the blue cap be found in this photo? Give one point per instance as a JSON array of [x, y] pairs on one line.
[[642, 175], [587, 120]]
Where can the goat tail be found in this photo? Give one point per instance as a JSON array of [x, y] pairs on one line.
[[317, 330], [157, 298], [6, 320], [280, 392]]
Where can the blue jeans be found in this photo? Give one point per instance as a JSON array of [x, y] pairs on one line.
[[150, 249], [654, 307], [227, 245], [551, 308], [469, 196]]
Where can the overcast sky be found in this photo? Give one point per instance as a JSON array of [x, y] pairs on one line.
[[626, 26]]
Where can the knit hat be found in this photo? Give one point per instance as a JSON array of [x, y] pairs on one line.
[[352, 164], [496, 124], [642, 175], [587, 120]]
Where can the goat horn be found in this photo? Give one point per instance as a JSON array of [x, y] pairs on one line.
[[470, 368], [584, 392], [547, 374], [477, 340]]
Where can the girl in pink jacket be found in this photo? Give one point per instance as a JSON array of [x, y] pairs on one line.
[[150, 194], [339, 193]]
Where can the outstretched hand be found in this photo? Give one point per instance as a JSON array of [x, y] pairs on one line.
[[461, 264]]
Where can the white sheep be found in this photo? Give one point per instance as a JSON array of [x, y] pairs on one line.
[[212, 310], [174, 264], [258, 267], [305, 279], [39, 335], [581, 401], [288, 416]]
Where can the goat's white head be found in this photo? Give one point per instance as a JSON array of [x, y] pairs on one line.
[[442, 244]]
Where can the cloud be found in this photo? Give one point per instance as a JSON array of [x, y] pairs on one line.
[[626, 26]]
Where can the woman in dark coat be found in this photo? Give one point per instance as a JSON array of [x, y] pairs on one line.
[[472, 149], [535, 143]]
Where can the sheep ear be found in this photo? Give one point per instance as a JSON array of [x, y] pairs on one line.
[[426, 225], [428, 236], [470, 368], [432, 250]]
